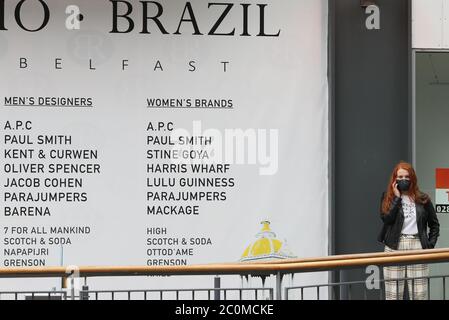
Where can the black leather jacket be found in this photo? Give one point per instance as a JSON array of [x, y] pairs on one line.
[[394, 219]]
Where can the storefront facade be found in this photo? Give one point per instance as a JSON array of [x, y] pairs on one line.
[[390, 91]]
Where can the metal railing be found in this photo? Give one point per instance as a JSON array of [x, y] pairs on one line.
[[350, 284], [33, 295], [268, 268], [210, 294]]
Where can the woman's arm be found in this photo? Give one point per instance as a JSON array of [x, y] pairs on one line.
[[390, 216], [432, 222]]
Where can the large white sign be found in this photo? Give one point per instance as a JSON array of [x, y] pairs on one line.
[[162, 133]]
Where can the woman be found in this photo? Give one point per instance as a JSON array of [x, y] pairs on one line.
[[406, 213]]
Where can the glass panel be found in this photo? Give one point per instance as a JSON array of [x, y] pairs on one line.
[[432, 137]]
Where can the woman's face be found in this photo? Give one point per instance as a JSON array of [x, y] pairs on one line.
[[402, 174]]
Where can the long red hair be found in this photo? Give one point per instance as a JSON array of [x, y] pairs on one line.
[[413, 192]]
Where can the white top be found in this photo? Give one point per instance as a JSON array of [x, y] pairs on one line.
[[409, 208]]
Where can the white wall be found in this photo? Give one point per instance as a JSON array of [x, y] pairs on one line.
[[430, 24]]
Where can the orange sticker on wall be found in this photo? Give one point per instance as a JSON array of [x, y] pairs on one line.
[[442, 178], [442, 190]]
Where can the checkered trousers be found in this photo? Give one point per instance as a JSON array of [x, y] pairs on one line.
[[417, 288]]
